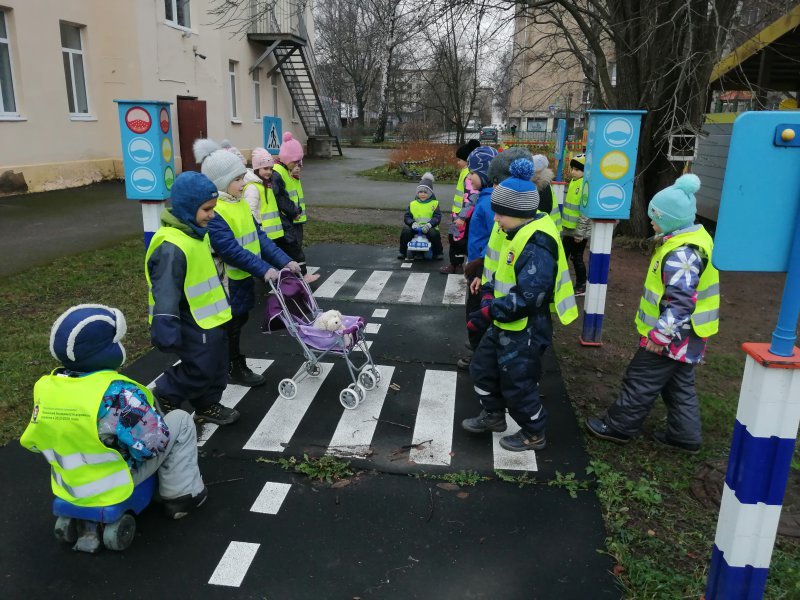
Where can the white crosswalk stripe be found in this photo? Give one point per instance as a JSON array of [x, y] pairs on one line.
[[506, 460], [455, 292], [234, 564], [334, 283], [374, 285], [414, 288], [433, 431], [271, 498]]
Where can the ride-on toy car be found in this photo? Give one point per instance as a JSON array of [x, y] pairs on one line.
[[419, 246]]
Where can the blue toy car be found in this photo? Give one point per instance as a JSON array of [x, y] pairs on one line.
[[419, 246]]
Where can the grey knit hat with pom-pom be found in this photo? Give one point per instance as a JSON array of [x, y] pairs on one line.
[[517, 196], [219, 165]]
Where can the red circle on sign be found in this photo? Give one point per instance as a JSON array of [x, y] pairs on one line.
[[163, 118], [138, 119]]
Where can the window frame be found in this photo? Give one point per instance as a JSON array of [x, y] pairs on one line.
[[232, 96], [173, 21], [9, 114], [257, 114], [274, 82], [71, 53]]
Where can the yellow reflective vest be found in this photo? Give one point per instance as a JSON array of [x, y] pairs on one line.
[[268, 210], [291, 185], [491, 259], [301, 202], [505, 277], [555, 212], [63, 428], [705, 319], [458, 199], [423, 211], [572, 204], [239, 218], [203, 289]]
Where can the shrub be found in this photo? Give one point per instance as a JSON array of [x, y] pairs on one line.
[[439, 159]]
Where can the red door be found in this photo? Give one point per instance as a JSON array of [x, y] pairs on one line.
[[191, 125]]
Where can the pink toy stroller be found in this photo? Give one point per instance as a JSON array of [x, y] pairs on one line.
[[292, 306]]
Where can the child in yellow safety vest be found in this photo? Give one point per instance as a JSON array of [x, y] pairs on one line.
[[460, 212], [576, 228], [423, 216], [678, 312], [286, 191]]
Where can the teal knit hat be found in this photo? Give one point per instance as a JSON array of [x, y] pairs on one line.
[[675, 207]]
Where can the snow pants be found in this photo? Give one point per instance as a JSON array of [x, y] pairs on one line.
[[649, 375]]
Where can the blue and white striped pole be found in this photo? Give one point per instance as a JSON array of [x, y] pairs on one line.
[[594, 304], [151, 218]]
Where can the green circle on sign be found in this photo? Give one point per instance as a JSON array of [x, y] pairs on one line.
[[169, 177]]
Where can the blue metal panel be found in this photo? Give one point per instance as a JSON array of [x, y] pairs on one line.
[[147, 150], [611, 149], [273, 134], [760, 194]]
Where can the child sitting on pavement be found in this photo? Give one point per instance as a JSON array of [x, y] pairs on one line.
[[423, 215], [678, 312], [515, 314], [85, 409]]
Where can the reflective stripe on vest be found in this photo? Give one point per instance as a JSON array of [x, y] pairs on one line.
[[202, 286], [705, 319], [63, 428], [555, 212], [423, 211], [458, 199], [268, 209], [492, 257], [505, 277], [572, 204], [300, 201], [240, 220]]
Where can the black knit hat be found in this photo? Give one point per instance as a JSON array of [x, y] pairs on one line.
[[463, 151], [517, 196]]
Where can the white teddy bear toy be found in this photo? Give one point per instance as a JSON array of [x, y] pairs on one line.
[[330, 320]]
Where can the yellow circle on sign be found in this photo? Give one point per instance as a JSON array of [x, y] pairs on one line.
[[166, 149], [614, 165], [787, 135]]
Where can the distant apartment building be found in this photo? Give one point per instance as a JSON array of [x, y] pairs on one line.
[[62, 65]]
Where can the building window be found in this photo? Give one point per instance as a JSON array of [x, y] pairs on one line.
[[74, 73], [177, 12], [275, 95], [8, 105], [612, 73], [257, 92], [232, 80], [294, 113]]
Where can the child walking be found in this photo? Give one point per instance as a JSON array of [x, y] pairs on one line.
[[113, 424], [284, 186], [259, 195], [241, 245], [460, 212], [515, 314], [575, 226], [678, 312], [188, 304], [423, 215]]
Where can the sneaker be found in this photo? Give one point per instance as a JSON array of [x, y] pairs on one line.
[[240, 374], [580, 291], [599, 428], [486, 421], [463, 363], [216, 413], [177, 508], [523, 440], [660, 438], [165, 404]]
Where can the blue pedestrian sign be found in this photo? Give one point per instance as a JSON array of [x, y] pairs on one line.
[[273, 134]]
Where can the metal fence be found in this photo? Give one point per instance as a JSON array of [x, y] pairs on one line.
[[276, 16]]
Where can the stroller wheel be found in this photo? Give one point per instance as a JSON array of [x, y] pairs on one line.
[[359, 390], [367, 380], [349, 398], [287, 388], [375, 373], [312, 368]]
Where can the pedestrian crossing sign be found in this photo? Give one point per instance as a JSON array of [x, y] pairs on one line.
[[273, 134]]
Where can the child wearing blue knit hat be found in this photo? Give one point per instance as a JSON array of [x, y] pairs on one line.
[[678, 312], [514, 311]]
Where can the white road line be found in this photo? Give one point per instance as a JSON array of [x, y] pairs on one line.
[[506, 460], [380, 313], [231, 397], [414, 288], [279, 424], [374, 285], [271, 498], [311, 270], [434, 424], [373, 327], [406, 265], [334, 283], [233, 565], [353, 435], [359, 349], [455, 292]]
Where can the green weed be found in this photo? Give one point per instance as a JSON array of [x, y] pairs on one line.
[[324, 468], [462, 478], [568, 482]]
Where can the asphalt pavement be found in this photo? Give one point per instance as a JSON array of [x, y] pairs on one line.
[[396, 530]]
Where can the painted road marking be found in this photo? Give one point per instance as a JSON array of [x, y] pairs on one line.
[[234, 563], [373, 327], [279, 424], [414, 288], [231, 397], [374, 285], [334, 283], [271, 498], [433, 430], [312, 270], [380, 313], [353, 435], [455, 292], [506, 460], [358, 347], [406, 265]]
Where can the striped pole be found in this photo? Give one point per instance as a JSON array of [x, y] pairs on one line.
[[758, 469], [151, 218], [559, 189], [594, 305]]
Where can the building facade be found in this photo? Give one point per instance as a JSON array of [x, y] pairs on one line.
[[64, 62]]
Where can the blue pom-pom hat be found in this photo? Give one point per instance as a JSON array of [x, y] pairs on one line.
[[517, 196], [87, 338], [675, 207]]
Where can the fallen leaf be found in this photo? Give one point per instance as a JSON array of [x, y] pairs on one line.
[[341, 484], [651, 533], [462, 495], [449, 487], [618, 570]]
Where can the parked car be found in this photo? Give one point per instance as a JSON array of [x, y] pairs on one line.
[[472, 126], [488, 134]]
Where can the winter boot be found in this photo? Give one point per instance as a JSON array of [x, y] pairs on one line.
[[217, 414], [486, 421], [240, 374], [523, 440], [177, 508]]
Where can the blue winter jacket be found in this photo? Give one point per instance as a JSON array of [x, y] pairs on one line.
[[480, 225]]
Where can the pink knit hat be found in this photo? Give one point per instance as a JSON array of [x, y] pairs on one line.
[[291, 150], [261, 158]]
